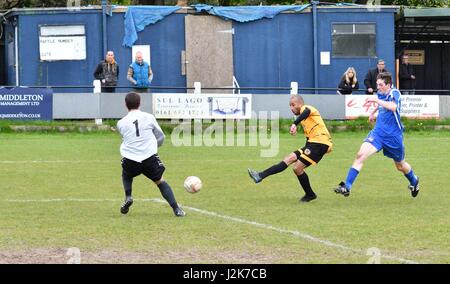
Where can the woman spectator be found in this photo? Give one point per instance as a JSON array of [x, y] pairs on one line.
[[348, 83]]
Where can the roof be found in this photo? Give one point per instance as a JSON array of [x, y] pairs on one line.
[[53, 10], [424, 24], [426, 12], [122, 9]]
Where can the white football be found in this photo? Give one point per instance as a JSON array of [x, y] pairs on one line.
[[192, 184]]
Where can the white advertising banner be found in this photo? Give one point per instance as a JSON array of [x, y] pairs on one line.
[[202, 106], [412, 106]]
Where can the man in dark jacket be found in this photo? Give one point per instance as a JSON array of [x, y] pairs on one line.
[[371, 78], [406, 78], [107, 72]]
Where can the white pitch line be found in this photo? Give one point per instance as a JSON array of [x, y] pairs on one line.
[[229, 218], [266, 160], [284, 231], [59, 161], [118, 161], [63, 200]]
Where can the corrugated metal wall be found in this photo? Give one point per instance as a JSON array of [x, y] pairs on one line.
[[166, 39], [9, 56], [2, 56], [266, 53], [273, 53], [57, 73], [330, 75]]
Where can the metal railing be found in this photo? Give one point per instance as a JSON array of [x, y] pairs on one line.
[[305, 90]]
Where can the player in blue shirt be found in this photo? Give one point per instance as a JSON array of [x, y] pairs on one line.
[[387, 135]]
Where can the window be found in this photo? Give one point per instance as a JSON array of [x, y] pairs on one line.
[[353, 40]]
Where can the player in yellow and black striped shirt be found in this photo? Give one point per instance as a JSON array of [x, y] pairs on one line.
[[318, 143]]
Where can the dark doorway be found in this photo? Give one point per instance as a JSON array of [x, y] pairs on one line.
[[434, 73], [426, 33]]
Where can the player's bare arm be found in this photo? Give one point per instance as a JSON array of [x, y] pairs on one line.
[[392, 106], [372, 116]]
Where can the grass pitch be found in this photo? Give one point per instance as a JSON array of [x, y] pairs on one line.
[[60, 191]]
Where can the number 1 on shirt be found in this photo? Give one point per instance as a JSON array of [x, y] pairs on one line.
[[136, 124]]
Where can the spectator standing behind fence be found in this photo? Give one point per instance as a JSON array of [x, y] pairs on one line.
[[107, 72], [140, 73], [406, 76], [371, 78], [348, 83]]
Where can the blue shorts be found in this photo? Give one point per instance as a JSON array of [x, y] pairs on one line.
[[392, 145]]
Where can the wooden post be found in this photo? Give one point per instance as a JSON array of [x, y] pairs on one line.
[[397, 69]]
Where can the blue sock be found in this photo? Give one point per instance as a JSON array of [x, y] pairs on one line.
[[351, 176], [411, 177]]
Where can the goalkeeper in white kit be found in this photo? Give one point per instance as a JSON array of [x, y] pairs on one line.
[[141, 137]]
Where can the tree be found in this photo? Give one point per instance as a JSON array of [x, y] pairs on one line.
[[412, 3], [149, 2], [10, 4]]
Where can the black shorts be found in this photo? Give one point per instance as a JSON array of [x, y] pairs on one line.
[[311, 153], [152, 168]]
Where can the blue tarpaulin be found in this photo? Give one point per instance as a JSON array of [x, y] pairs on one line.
[[138, 17], [248, 13], [109, 9]]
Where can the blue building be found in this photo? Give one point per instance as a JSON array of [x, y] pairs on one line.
[[313, 47]]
